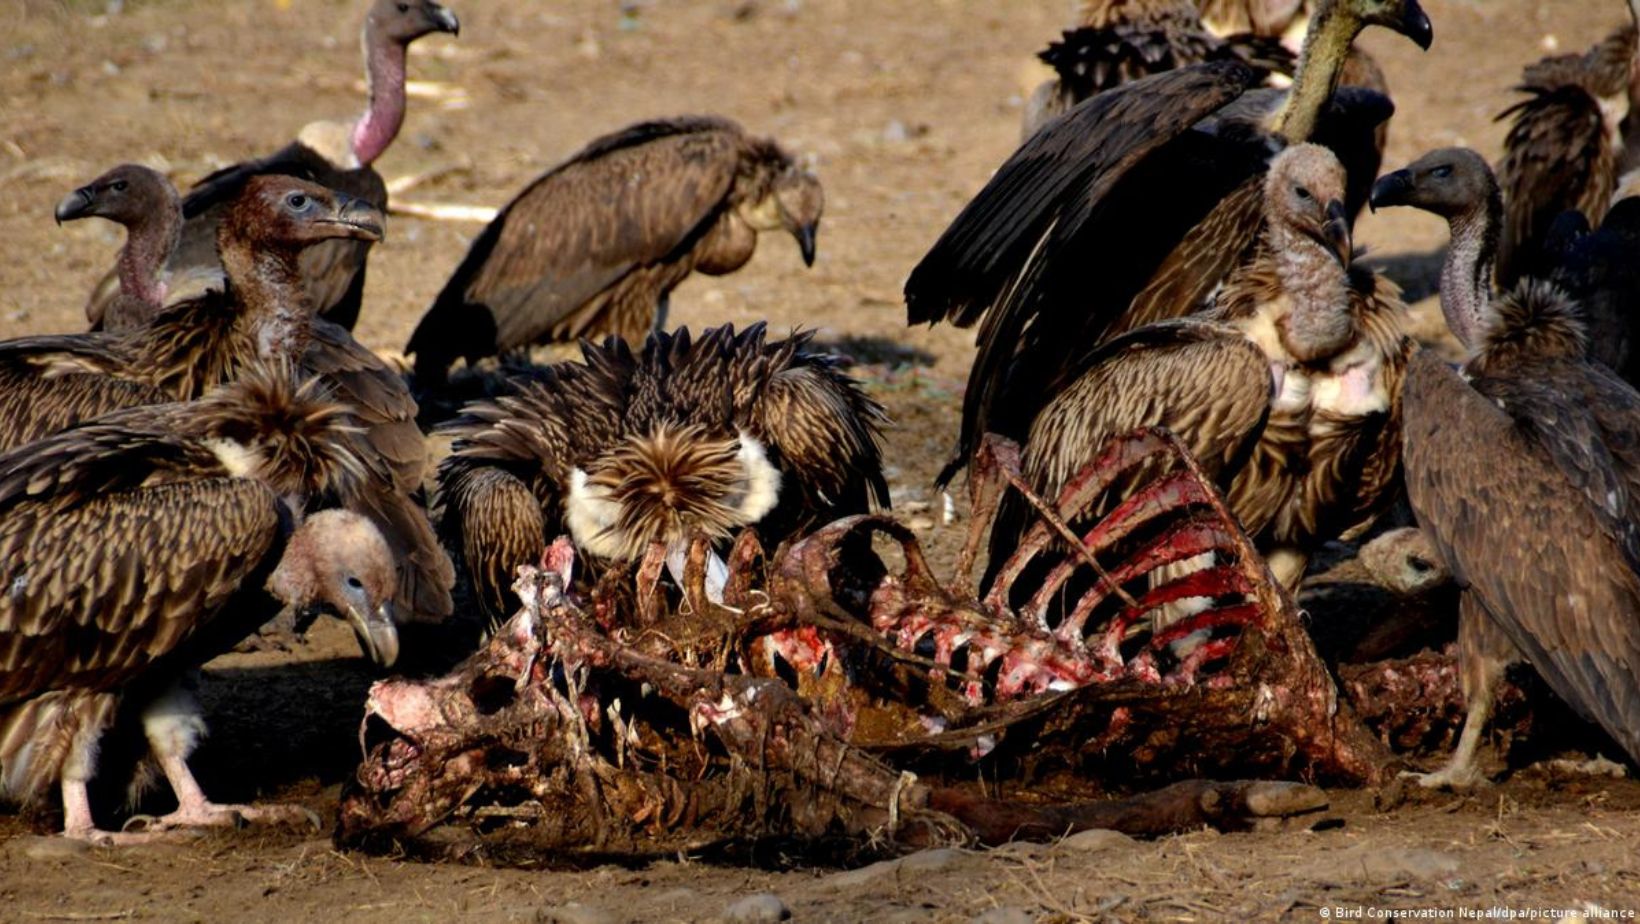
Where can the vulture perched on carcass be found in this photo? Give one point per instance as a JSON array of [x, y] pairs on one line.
[[1285, 389], [335, 155], [1132, 208], [1524, 469], [594, 246], [137, 547], [148, 206], [1566, 147], [262, 312], [633, 448]]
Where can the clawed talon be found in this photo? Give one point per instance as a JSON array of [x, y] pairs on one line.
[[1448, 778]]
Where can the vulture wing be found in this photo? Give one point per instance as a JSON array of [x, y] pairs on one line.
[[627, 201], [1534, 514], [1556, 159], [1599, 270]]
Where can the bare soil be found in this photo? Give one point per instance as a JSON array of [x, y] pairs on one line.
[[905, 107]]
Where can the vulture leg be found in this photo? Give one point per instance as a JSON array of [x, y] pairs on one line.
[[173, 725], [1484, 652]]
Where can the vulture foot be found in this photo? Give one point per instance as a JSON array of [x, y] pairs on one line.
[[202, 814], [97, 837], [1455, 777]]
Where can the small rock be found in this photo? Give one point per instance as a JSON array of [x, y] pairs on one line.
[[1005, 915], [576, 913], [932, 861], [855, 878], [763, 908], [1383, 865], [1096, 841], [49, 848]]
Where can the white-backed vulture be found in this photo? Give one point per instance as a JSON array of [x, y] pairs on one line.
[[51, 382], [148, 206], [1565, 146], [1524, 469], [628, 449], [136, 547], [1128, 189], [335, 155], [594, 246], [1285, 389]]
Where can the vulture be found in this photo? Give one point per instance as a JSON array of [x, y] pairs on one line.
[[335, 155], [262, 312], [594, 246], [1118, 42], [1565, 148], [1128, 210], [140, 545], [637, 447], [1285, 388], [1599, 271], [146, 203], [1524, 470]]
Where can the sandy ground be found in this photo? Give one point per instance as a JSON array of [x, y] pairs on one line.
[[905, 106]]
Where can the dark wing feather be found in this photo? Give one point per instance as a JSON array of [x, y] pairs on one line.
[[494, 523], [1601, 273], [629, 201], [1529, 509], [99, 591], [1557, 157]]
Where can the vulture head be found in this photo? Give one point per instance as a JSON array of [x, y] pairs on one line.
[[1405, 561], [1449, 182], [667, 484], [338, 563], [286, 214], [1403, 16], [128, 194], [404, 21], [793, 205], [1304, 195]]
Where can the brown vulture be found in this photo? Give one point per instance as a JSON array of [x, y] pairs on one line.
[[1285, 389], [594, 246], [54, 381], [1130, 209], [1599, 271], [633, 448], [335, 155], [1565, 146], [137, 547], [1524, 469], [148, 206]]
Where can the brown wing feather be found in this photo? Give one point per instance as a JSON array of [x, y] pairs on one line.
[[101, 590], [1521, 516], [631, 200], [1558, 156], [1225, 239], [495, 523]]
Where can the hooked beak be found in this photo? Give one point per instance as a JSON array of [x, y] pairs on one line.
[[76, 204], [1335, 232], [444, 20], [1415, 25], [1391, 189], [356, 219], [805, 241], [378, 635]]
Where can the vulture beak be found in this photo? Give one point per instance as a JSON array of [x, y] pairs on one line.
[[446, 21], [355, 218], [76, 204], [805, 241], [1415, 25], [1391, 189], [1335, 232], [378, 635]]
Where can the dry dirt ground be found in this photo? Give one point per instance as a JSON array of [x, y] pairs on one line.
[[905, 106]]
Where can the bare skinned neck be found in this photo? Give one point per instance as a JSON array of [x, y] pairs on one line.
[[1326, 47], [148, 245], [1320, 323], [274, 304], [1466, 277], [384, 63]]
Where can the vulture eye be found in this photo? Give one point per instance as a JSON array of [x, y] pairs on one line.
[[404, 8], [1303, 194], [297, 201], [121, 185], [1441, 172], [354, 583], [1419, 565]]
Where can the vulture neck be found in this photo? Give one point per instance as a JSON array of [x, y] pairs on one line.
[[148, 245], [273, 302], [1466, 277], [1320, 323], [384, 64], [1326, 48]]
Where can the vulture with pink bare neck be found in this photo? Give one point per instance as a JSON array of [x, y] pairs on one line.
[[335, 155]]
